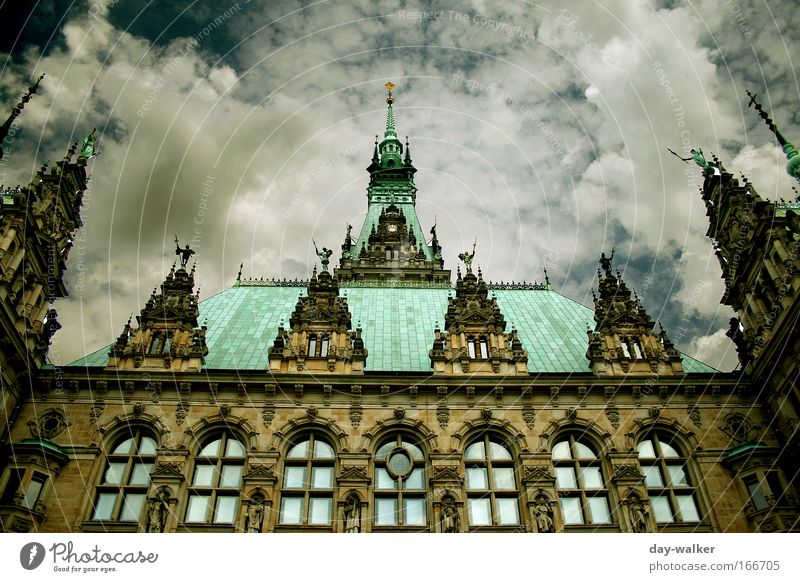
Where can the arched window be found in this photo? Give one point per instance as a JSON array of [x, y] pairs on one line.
[[216, 481], [492, 497], [323, 346], [307, 490], [312, 346], [122, 491], [580, 482], [400, 484], [667, 479]]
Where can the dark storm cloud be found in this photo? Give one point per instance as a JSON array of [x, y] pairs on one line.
[[543, 128], [36, 24]]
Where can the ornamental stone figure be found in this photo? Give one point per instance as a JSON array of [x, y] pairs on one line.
[[352, 514], [544, 516], [467, 258], [184, 254], [255, 516], [324, 256], [450, 519], [638, 516], [87, 148], [157, 512], [605, 262]]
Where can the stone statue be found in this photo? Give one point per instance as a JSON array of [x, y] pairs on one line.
[[184, 254], [605, 262], [467, 258], [352, 514], [435, 246], [157, 512], [324, 256], [638, 517], [87, 149], [255, 516], [697, 156], [544, 516], [450, 520]]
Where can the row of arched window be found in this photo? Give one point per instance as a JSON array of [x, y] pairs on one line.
[[400, 481]]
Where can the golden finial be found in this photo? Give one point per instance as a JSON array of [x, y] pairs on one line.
[[389, 86]]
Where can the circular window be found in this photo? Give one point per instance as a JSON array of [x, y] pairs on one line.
[[399, 463], [51, 423]]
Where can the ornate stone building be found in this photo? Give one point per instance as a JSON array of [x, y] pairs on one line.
[[385, 398]]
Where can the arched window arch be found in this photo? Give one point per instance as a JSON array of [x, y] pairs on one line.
[[216, 480], [581, 482], [122, 490], [308, 482], [492, 496], [400, 489], [667, 478]]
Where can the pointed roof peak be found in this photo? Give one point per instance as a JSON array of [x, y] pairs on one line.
[[793, 167], [4, 129], [390, 132]]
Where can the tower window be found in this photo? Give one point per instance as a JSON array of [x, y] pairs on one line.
[[155, 345], [323, 346], [471, 348], [581, 487], [312, 346]]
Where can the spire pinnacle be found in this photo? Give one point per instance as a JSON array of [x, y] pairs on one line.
[[390, 130], [4, 129], [793, 167]]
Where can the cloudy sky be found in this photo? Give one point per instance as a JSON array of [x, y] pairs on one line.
[[541, 126]]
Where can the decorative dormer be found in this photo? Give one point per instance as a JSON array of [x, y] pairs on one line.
[[623, 340], [167, 336], [474, 339], [391, 246], [319, 339]]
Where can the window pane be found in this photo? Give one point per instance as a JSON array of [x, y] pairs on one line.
[[571, 510], [299, 451], [687, 508], [123, 448], [32, 494], [591, 477], [584, 452], [652, 477], [147, 446], [386, 511], [498, 452], [416, 452], [661, 509], [198, 508], [476, 478], [322, 450], [667, 451], [234, 448], [115, 473], [319, 511], [678, 476], [295, 478], [132, 507], [141, 474], [399, 463], [384, 450], [104, 506], [292, 510], [757, 495], [413, 511], [322, 477], [211, 449], [504, 478], [226, 509], [475, 451], [204, 476], [416, 480], [598, 507], [507, 511], [383, 480], [231, 476], [646, 450], [565, 478], [561, 451], [480, 512]]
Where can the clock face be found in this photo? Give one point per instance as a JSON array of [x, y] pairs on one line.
[[392, 228]]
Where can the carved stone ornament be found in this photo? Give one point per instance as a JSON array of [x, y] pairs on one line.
[[354, 473], [399, 414], [543, 513], [447, 473], [268, 414], [50, 423], [627, 472], [612, 412], [486, 414], [261, 473], [737, 427], [536, 474], [443, 415], [451, 522], [529, 417], [694, 415], [168, 469], [138, 409]]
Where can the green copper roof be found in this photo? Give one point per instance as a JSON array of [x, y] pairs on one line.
[[374, 213], [398, 326]]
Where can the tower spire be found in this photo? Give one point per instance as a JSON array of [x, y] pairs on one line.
[[4, 129], [390, 129], [793, 167]]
